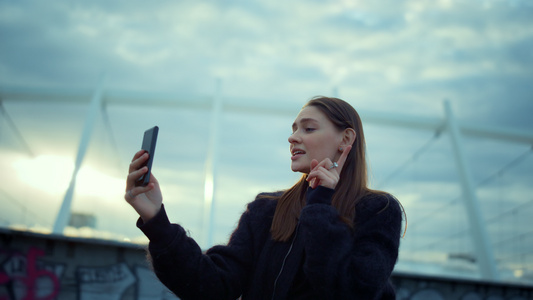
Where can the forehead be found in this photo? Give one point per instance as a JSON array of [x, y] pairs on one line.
[[311, 113]]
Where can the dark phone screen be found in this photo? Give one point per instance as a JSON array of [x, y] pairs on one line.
[[149, 142]]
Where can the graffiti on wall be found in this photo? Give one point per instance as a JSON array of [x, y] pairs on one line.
[[25, 276], [31, 275], [111, 283], [106, 283]]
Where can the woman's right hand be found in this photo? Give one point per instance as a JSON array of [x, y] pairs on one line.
[[146, 200]]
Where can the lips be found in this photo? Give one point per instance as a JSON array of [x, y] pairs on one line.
[[296, 153]]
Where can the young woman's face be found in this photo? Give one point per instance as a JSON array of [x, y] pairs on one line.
[[314, 136]]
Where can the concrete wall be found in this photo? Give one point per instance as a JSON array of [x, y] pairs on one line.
[[419, 287], [35, 266]]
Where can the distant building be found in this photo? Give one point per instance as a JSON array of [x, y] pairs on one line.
[[79, 220]]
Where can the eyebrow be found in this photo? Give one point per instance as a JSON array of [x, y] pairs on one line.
[[303, 121]]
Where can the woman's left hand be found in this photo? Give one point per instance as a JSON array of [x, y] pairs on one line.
[[326, 173]]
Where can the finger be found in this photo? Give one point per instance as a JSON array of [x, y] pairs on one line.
[[133, 176], [314, 164], [321, 173], [343, 157], [313, 180], [312, 183], [325, 163], [138, 154], [131, 194], [324, 177], [330, 166], [138, 160], [324, 173]]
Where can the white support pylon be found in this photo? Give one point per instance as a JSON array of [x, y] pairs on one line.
[[63, 215], [478, 230]]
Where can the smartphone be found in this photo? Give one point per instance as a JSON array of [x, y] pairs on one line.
[[149, 141]]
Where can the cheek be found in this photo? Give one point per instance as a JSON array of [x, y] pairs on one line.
[[327, 144], [323, 150]]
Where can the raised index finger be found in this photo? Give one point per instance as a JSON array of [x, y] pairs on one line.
[[343, 157]]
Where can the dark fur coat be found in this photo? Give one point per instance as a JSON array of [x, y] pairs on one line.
[[325, 259]]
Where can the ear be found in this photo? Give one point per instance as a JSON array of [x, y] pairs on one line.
[[349, 137]]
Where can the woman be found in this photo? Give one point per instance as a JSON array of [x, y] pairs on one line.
[[327, 237]]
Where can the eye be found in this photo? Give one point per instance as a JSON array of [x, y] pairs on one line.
[[309, 129]]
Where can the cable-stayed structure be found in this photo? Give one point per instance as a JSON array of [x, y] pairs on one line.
[[465, 189]]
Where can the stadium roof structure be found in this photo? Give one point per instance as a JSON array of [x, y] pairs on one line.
[[465, 187]]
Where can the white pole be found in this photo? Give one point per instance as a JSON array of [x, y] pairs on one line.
[[94, 107], [478, 230], [210, 168]]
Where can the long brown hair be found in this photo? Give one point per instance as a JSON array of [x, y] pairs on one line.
[[352, 185]]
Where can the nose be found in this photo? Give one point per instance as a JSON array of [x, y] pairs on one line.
[[294, 138]]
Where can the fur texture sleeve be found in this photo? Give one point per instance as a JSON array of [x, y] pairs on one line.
[[342, 263], [179, 263]]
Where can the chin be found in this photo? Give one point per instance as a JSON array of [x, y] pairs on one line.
[[299, 169], [295, 168]]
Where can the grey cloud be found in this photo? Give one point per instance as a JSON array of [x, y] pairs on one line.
[[396, 56]]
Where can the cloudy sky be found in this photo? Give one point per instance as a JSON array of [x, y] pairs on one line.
[[165, 61]]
